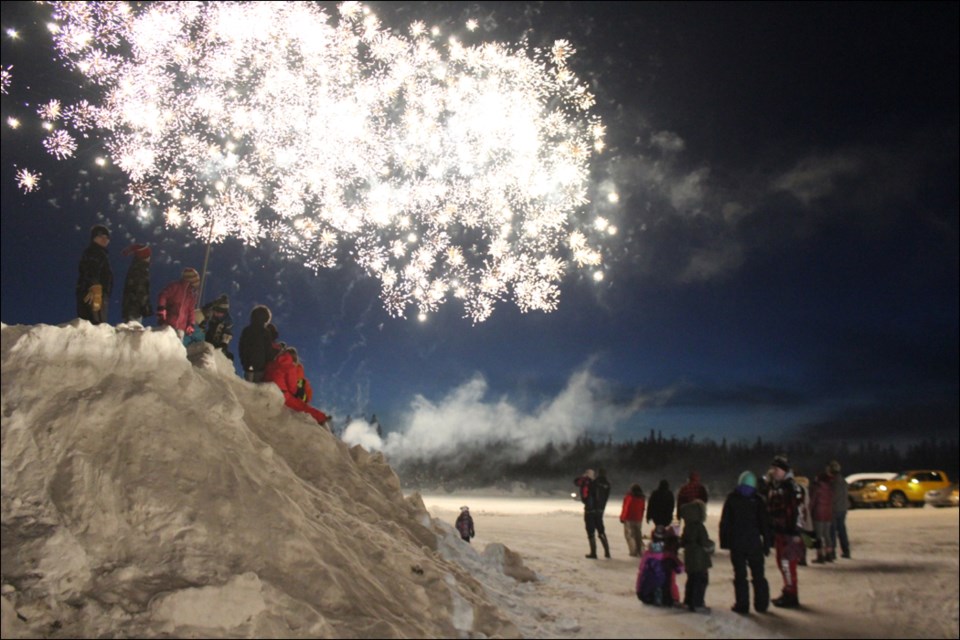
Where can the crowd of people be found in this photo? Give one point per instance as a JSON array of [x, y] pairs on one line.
[[777, 511], [263, 357]]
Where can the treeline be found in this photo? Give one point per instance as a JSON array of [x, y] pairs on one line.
[[647, 461]]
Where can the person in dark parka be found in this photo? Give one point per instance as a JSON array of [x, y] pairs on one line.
[[136, 288], [95, 280], [660, 505], [256, 344], [745, 531]]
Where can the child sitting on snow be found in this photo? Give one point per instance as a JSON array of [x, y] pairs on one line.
[[659, 566]]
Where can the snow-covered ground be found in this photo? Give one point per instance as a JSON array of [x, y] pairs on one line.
[[150, 492], [902, 581]]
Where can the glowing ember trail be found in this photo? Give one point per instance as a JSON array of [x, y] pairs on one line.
[[445, 170]]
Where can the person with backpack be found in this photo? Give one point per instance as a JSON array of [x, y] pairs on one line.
[[592, 513]]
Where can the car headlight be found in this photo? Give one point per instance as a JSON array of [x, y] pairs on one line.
[[881, 487]]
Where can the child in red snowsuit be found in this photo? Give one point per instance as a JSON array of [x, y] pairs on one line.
[[286, 372]]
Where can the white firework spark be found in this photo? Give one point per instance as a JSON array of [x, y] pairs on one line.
[[445, 170], [60, 144], [28, 180]]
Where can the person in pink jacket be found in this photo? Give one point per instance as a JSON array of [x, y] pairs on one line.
[[285, 371], [177, 302]]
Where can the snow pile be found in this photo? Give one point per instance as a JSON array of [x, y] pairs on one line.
[[149, 494]]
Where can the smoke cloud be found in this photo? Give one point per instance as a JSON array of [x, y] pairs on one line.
[[466, 419]]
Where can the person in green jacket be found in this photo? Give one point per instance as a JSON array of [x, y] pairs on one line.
[[697, 547]]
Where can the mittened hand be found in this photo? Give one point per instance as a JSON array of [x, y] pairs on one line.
[[94, 297]]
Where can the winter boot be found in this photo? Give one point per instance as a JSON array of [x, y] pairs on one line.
[[741, 593], [593, 549], [761, 595], [606, 546], [787, 601]]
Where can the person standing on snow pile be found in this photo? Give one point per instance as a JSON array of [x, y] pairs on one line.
[[256, 344], [465, 524], [785, 505], [697, 549], [95, 280], [745, 531], [692, 490], [631, 515], [178, 301], [136, 288], [660, 505], [592, 518], [285, 373], [219, 324]]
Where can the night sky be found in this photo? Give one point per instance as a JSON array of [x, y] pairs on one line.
[[787, 258]]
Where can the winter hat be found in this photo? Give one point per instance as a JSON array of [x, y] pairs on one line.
[[780, 462], [141, 251], [98, 230], [190, 275], [747, 478], [222, 303], [464, 508]]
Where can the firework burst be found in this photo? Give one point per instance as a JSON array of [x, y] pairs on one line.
[[444, 170]]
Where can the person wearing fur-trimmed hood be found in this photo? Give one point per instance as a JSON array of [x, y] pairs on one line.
[[697, 548]]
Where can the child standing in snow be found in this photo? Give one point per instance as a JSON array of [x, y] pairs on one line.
[[465, 524], [657, 575], [697, 547]]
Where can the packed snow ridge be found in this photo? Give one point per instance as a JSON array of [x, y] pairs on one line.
[[148, 492]]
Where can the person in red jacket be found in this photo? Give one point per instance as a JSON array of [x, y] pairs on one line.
[[692, 490], [631, 515], [286, 372]]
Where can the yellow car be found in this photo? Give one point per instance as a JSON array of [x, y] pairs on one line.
[[861, 492], [907, 488]]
